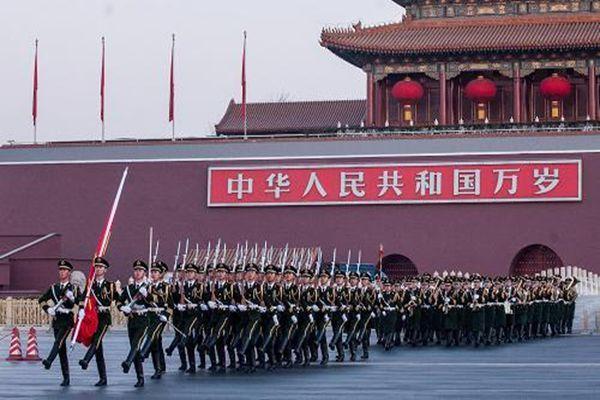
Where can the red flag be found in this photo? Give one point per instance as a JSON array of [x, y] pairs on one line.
[[85, 328], [244, 115], [34, 109], [102, 83], [172, 84]]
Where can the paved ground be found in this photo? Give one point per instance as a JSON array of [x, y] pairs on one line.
[[567, 367]]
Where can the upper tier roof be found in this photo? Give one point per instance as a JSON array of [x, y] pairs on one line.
[[548, 32]]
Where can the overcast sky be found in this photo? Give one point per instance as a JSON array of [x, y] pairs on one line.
[[284, 59]]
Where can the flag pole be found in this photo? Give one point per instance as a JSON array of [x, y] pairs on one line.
[[102, 84], [172, 90], [244, 105], [35, 90]]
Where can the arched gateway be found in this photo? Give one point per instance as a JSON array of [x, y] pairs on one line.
[[533, 259], [397, 266]]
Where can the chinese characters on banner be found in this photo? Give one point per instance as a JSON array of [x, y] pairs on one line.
[[409, 183]]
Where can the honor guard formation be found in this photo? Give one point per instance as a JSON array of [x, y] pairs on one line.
[[261, 313]]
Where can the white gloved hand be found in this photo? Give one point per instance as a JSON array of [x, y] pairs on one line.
[[344, 318], [191, 306], [294, 319], [315, 308], [81, 313], [243, 307], [51, 311], [333, 308], [275, 320], [181, 307], [232, 308], [262, 309], [143, 291], [311, 318], [372, 315], [224, 307], [358, 317], [326, 318], [404, 318], [280, 308], [163, 318], [212, 305], [383, 313], [126, 309], [203, 307], [70, 295], [380, 296]]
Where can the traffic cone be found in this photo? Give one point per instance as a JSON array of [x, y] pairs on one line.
[[32, 353], [14, 351]]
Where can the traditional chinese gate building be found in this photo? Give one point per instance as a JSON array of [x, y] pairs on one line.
[[476, 62]]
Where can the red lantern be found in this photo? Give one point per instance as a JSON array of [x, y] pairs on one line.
[[481, 90], [407, 91], [555, 87]]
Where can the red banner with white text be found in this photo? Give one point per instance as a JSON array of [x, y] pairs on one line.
[[396, 183]]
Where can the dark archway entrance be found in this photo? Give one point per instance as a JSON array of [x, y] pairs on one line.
[[397, 266], [533, 259]]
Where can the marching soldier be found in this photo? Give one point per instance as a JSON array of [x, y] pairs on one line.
[[272, 297], [339, 318], [368, 298], [134, 305], [104, 293], [63, 297], [306, 320], [325, 301], [354, 313], [252, 299], [221, 299], [190, 294], [158, 299], [290, 298], [388, 304], [178, 320]]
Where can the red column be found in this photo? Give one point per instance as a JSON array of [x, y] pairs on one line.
[[370, 100], [592, 106], [385, 103], [379, 118], [517, 93], [443, 100]]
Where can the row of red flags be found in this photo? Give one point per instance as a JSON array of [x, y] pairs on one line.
[[34, 109]]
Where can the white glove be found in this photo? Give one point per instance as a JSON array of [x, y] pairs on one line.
[[126, 309], [191, 306], [143, 291], [372, 315], [203, 307], [232, 308], [275, 320], [51, 311], [311, 318], [243, 307], [344, 318], [358, 317], [81, 313], [70, 295], [403, 317], [315, 308], [280, 308], [383, 313], [333, 308], [380, 296], [294, 319], [262, 309], [181, 307], [212, 305], [163, 318], [224, 307], [326, 318]]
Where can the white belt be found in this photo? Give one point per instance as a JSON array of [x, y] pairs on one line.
[[103, 308], [155, 309], [63, 310]]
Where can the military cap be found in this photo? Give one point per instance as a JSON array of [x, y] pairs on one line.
[[251, 267], [324, 272], [64, 264], [179, 267], [386, 281], [365, 275], [271, 269], [290, 269], [100, 261], [156, 266], [222, 267], [353, 274], [163, 266], [338, 272], [140, 264], [191, 267], [306, 273]]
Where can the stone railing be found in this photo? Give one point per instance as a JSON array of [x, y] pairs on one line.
[[27, 312]]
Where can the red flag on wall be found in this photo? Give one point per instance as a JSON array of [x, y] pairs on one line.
[[34, 109], [172, 84], [102, 83]]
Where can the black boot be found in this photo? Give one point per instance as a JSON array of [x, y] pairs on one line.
[[66, 381], [140, 382]]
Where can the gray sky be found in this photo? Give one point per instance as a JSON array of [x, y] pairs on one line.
[[284, 59]]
